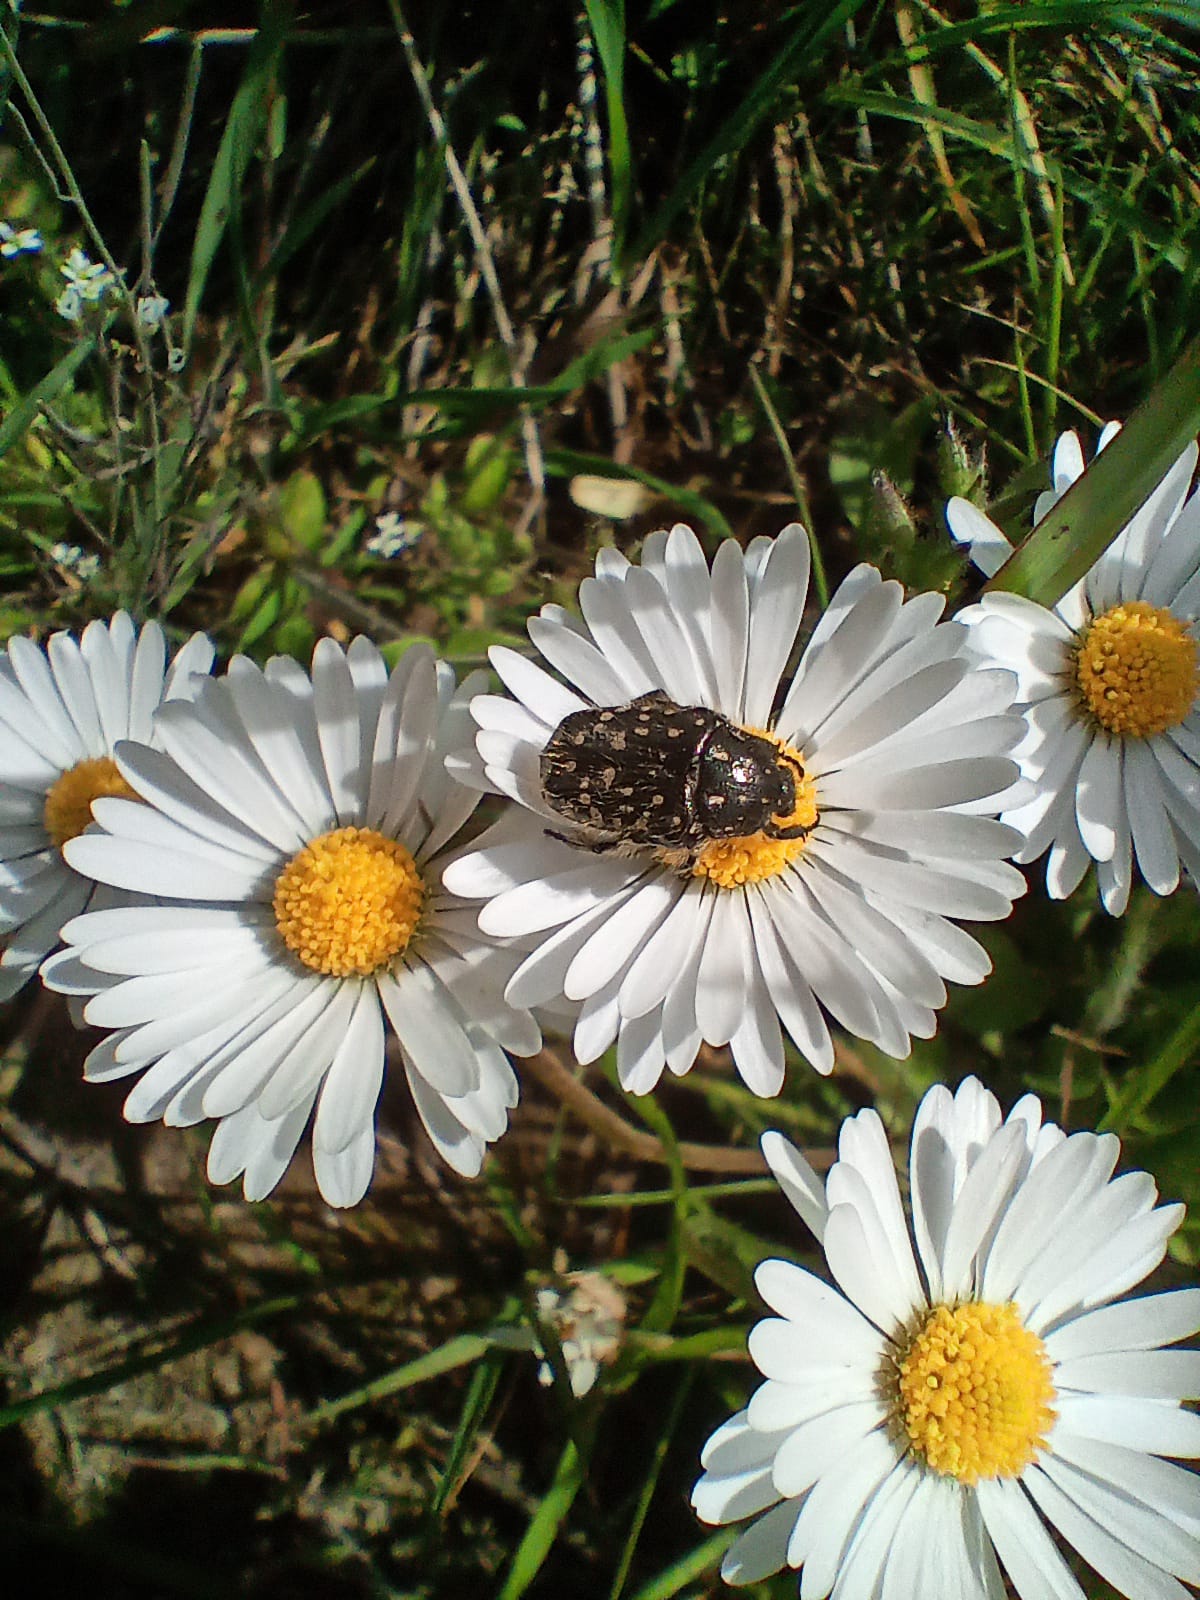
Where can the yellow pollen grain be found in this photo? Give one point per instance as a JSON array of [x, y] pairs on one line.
[[349, 902], [68, 808], [974, 1395], [733, 863], [1136, 670]]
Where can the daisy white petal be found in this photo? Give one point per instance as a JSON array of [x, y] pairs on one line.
[[775, 619], [1111, 1557], [919, 1445], [1023, 1544], [799, 1183], [582, 664], [987, 547], [663, 636], [290, 823], [247, 1143], [641, 1054]]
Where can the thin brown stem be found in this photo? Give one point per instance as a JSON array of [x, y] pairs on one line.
[[615, 1131]]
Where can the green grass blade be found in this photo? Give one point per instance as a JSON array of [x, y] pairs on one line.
[[476, 1407], [222, 198], [51, 386], [1141, 1087], [1116, 484], [457, 1352], [607, 21], [1103, 205], [545, 1523], [197, 1338], [671, 1580], [650, 1482], [310, 219], [664, 1307], [706, 1346]]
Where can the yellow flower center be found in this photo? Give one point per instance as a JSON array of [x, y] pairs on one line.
[[349, 902], [1135, 667], [974, 1395], [68, 808], [732, 863]]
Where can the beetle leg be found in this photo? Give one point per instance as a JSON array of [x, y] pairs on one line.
[[603, 847], [799, 830]]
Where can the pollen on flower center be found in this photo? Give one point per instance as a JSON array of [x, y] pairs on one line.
[[732, 863], [973, 1392], [1136, 669], [349, 902], [68, 807]]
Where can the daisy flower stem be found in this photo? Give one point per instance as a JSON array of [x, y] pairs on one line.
[[1118, 482], [620, 1135]]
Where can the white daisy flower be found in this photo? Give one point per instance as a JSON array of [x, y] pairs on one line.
[[294, 831], [887, 751], [62, 711], [1110, 688], [919, 1429]]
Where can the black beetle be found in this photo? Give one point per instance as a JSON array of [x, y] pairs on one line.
[[653, 775]]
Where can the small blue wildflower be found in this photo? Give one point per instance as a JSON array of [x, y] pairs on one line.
[[90, 280], [393, 535], [151, 309], [69, 304], [19, 241], [72, 559]]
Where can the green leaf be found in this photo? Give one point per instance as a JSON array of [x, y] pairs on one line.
[[724, 1252], [302, 510], [488, 469], [1117, 483], [481, 1391], [50, 387], [661, 1347], [668, 1295], [665, 1433], [1018, 991]]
